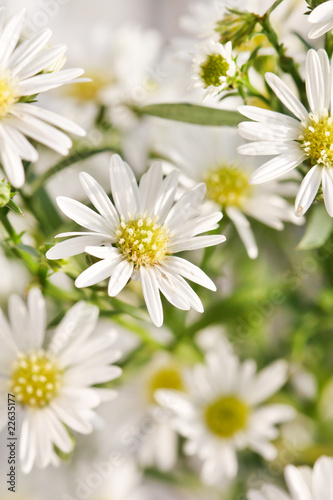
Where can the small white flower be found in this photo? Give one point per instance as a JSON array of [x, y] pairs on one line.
[[303, 483], [214, 67], [209, 154], [222, 411], [322, 19], [24, 73], [139, 235], [310, 137], [52, 380]]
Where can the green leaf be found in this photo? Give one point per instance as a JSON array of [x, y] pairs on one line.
[[28, 249], [12, 205], [191, 113], [318, 230]]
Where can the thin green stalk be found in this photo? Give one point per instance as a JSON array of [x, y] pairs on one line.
[[273, 7], [73, 158], [287, 64], [14, 240]]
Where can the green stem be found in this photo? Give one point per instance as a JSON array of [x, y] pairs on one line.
[[14, 240], [73, 158], [287, 64], [273, 7]]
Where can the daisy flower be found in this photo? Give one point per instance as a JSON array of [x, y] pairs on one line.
[[25, 71], [209, 154], [309, 137], [51, 380], [214, 67], [322, 19], [221, 411], [138, 236], [302, 483]]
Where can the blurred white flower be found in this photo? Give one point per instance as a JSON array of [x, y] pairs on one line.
[[138, 237], [214, 67], [294, 141], [303, 483], [52, 380], [23, 75], [210, 155], [322, 19], [221, 411], [159, 447]]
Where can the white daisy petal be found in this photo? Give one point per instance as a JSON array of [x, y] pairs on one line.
[[83, 215], [152, 295], [10, 36], [308, 190], [244, 230], [320, 29], [50, 117], [73, 246], [42, 83], [124, 187], [189, 271], [98, 198], [27, 50], [120, 277], [315, 89], [285, 95], [327, 182], [97, 272], [277, 167], [43, 60]]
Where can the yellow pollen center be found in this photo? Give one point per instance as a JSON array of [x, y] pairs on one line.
[[35, 379], [143, 241], [227, 186], [225, 416], [213, 69], [89, 91], [8, 96], [168, 377], [317, 140]]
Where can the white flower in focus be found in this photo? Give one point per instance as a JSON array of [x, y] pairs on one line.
[[24, 74], [322, 19], [138, 236], [214, 67], [52, 379], [222, 411], [309, 137], [208, 154], [302, 482]]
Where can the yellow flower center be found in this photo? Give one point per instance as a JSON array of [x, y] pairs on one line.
[[225, 416], [317, 140], [8, 95], [143, 241], [213, 69], [89, 91], [227, 186], [35, 379], [168, 377]]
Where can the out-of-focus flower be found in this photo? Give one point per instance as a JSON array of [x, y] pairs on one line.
[[294, 141], [159, 446], [322, 19], [23, 75], [302, 483], [221, 411], [138, 236], [209, 154], [214, 67], [52, 381]]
